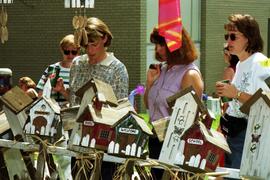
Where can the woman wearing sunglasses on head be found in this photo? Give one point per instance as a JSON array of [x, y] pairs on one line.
[[69, 51], [244, 40]]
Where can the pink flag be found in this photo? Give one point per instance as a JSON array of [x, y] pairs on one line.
[[170, 23]]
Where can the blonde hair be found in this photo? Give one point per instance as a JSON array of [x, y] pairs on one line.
[[68, 41], [28, 82]]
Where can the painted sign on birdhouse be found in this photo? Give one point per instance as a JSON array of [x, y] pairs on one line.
[[256, 158]]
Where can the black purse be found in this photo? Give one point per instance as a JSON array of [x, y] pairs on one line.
[[232, 126]]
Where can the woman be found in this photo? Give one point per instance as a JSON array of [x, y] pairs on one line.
[[176, 73], [98, 63], [69, 51], [245, 41]]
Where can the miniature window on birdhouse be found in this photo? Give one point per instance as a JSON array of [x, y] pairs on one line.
[[211, 157], [42, 110], [104, 134]]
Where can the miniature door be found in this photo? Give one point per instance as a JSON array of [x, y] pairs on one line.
[[183, 116]]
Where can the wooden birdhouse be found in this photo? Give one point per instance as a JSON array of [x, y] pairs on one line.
[[256, 158], [15, 101], [132, 134], [44, 120], [200, 148], [96, 92], [94, 128], [186, 106], [118, 130], [68, 116]]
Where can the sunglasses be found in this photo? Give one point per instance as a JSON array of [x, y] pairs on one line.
[[231, 36], [73, 52]]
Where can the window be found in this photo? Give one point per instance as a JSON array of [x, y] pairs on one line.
[[104, 134], [211, 157]]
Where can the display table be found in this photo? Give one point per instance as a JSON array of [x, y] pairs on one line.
[[25, 146]]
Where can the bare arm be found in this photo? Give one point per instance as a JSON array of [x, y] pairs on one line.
[[193, 78], [228, 73]]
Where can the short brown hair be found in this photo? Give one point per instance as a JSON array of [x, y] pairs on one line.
[[184, 55], [249, 27], [96, 28]]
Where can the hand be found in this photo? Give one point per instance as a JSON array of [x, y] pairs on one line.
[[226, 90], [59, 87], [152, 75]]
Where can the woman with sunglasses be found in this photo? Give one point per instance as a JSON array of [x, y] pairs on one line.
[[244, 40], [61, 70], [69, 51]]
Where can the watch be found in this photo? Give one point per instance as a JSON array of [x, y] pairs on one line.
[[238, 94]]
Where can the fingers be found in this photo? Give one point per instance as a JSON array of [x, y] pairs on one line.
[[220, 88]]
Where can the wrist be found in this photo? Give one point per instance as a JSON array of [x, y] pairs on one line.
[[238, 94]]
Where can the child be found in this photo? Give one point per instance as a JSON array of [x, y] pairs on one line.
[[28, 85]]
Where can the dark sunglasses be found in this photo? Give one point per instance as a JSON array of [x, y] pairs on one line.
[[232, 37], [67, 52]]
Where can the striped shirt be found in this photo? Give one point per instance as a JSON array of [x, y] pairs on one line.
[[64, 74]]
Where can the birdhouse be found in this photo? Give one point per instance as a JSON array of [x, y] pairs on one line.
[[15, 101], [131, 138], [99, 90], [68, 116], [94, 128], [186, 106], [256, 158], [117, 130], [200, 148], [96, 92], [44, 120]]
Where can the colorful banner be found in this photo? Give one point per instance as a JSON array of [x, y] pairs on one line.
[[170, 23]]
